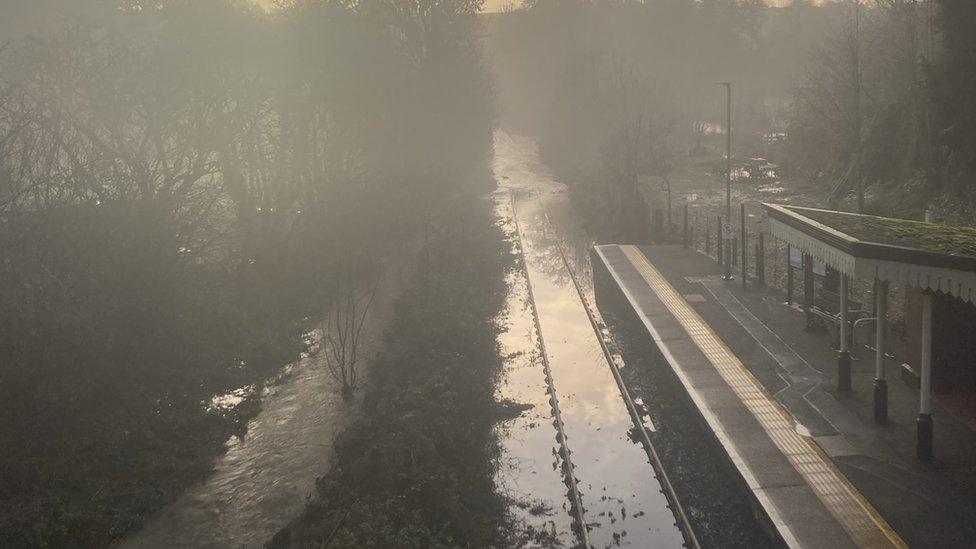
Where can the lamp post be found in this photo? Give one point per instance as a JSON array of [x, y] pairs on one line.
[[728, 175], [666, 186]]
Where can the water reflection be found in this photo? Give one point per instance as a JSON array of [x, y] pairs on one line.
[[264, 479], [529, 466], [620, 494], [229, 401]]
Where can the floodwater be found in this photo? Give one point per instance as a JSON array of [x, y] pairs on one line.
[[263, 481], [530, 466], [621, 497]]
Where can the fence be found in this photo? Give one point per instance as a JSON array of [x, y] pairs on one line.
[[763, 259]]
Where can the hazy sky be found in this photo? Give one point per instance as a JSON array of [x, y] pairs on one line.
[[499, 5], [490, 5]]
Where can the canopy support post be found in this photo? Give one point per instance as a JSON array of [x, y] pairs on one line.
[[924, 432], [844, 360], [880, 383], [808, 292]]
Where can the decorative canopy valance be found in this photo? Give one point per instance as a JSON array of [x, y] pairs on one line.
[[910, 253]]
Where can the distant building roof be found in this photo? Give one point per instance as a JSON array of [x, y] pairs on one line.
[[911, 253]]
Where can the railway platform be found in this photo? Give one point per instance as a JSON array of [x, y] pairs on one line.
[[795, 445]]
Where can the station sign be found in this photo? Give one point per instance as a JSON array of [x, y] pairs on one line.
[[796, 261], [728, 233]]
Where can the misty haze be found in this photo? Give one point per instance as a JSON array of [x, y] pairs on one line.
[[487, 273]]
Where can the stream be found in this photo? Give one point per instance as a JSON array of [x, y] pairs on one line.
[[263, 481]]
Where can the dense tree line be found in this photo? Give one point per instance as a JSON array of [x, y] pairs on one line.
[[953, 76], [614, 89], [874, 95], [859, 111], [179, 182], [883, 114]]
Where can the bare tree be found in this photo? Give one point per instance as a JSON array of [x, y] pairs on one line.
[[698, 129], [344, 346]]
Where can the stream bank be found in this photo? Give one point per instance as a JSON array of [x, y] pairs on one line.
[[416, 469], [268, 471]]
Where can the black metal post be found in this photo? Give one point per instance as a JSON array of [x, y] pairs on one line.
[[761, 260], [808, 291], [728, 169], [719, 245], [923, 423], [923, 437], [670, 225], [844, 358], [844, 372], [708, 238], [745, 238], [789, 275], [881, 401], [686, 227], [880, 325]]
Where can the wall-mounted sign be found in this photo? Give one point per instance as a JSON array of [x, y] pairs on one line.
[[796, 261], [728, 233]]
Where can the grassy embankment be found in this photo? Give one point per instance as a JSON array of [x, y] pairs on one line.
[[417, 469], [110, 358]]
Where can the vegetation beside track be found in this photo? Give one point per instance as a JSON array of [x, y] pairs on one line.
[[417, 470]]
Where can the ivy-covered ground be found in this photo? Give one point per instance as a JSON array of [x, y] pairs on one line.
[[417, 469]]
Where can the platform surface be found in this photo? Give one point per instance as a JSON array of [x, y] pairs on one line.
[[806, 498]]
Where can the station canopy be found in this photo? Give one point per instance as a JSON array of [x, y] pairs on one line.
[[928, 256]]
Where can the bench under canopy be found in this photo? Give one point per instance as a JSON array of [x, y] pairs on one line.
[[931, 257]]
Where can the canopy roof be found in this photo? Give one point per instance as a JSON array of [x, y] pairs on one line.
[[911, 253]]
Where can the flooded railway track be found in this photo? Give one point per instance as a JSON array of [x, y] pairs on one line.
[[618, 492], [614, 360], [640, 428], [569, 472]]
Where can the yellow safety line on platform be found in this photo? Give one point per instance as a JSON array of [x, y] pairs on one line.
[[862, 522]]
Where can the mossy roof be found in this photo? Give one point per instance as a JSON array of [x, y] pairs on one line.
[[905, 233], [884, 238]]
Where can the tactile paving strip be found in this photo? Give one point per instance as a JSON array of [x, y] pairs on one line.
[[861, 522]]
